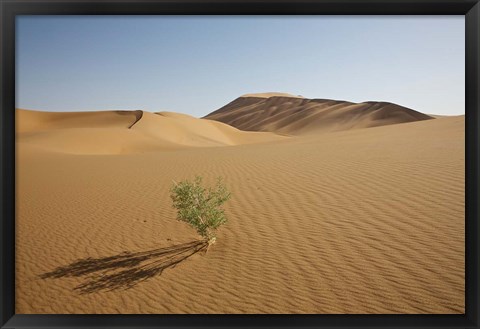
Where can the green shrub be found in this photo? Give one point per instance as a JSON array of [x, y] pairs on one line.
[[200, 207]]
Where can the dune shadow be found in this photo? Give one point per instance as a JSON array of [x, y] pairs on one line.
[[125, 270]]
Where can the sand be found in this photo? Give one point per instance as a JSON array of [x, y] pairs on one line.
[[290, 115], [364, 220], [271, 94], [125, 132]]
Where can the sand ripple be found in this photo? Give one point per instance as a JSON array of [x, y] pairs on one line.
[[361, 221]]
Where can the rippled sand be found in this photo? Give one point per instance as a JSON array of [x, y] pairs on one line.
[[356, 221]]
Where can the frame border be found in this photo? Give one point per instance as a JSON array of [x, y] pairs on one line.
[[10, 8]]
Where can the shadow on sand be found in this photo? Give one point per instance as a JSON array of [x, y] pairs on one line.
[[127, 269]]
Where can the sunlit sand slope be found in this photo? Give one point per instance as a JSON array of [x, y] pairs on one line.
[[123, 132], [293, 115], [359, 221]]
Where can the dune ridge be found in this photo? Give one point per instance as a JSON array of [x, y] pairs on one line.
[[302, 116], [29, 121], [271, 94]]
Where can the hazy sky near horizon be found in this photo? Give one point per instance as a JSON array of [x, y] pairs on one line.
[[195, 65]]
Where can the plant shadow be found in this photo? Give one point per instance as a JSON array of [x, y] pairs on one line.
[[127, 269]]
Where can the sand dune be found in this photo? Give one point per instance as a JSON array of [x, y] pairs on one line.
[[271, 94], [32, 121], [353, 221], [288, 115], [122, 132]]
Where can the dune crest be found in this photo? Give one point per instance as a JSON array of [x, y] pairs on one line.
[[28, 121], [271, 94], [284, 114]]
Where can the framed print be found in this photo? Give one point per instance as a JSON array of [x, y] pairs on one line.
[[239, 164]]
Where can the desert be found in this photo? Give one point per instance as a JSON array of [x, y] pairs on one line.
[[337, 208]]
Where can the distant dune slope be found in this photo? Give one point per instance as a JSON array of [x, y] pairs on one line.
[[294, 115], [34, 121], [120, 132]]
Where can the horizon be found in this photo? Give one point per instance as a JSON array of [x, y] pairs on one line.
[[202, 117], [112, 63]]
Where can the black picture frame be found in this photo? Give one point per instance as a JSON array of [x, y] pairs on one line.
[[9, 9]]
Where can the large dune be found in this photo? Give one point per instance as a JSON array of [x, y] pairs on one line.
[[353, 221], [117, 132], [271, 94], [295, 115]]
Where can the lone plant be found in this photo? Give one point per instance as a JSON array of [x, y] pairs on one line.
[[200, 207]]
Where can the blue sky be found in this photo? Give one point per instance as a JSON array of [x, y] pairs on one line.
[[195, 65]]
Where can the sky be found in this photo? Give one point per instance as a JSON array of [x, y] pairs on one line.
[[197, 64]]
